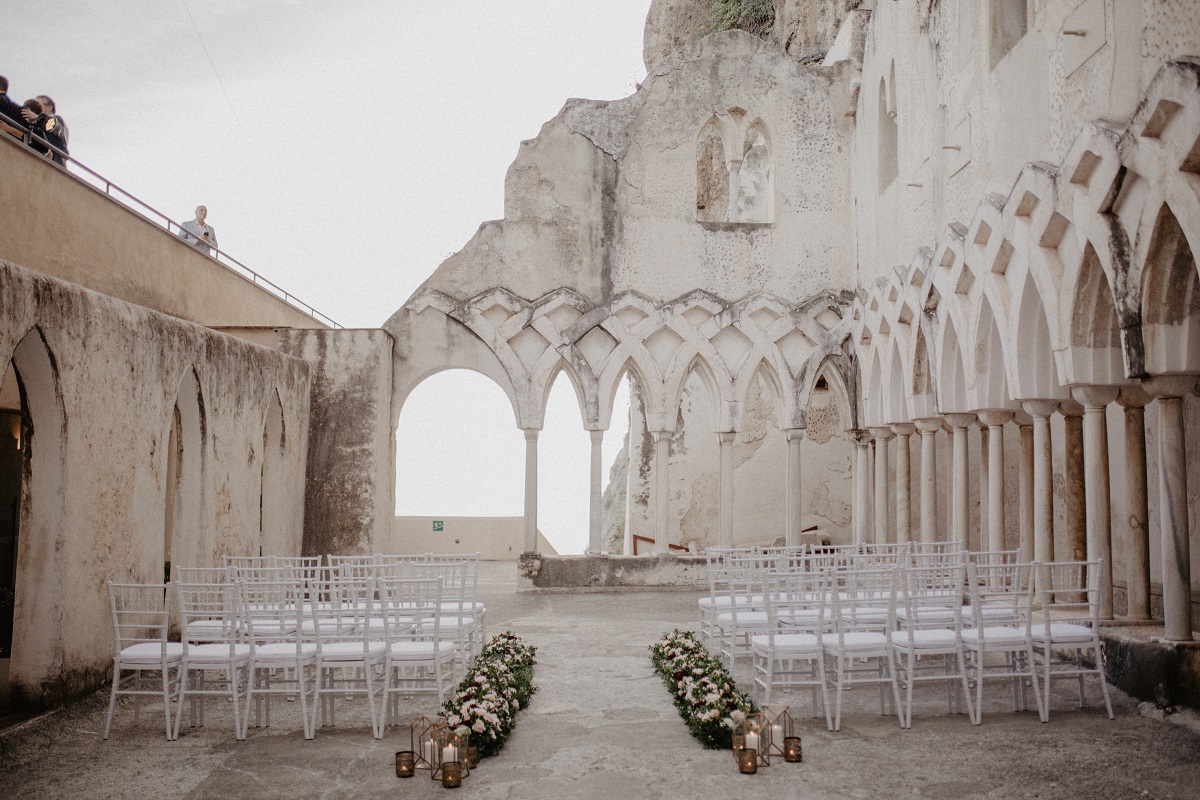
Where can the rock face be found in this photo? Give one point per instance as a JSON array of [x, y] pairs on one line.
[[671, 25], [805, 29]]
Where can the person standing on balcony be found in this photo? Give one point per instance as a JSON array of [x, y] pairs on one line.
[[10, 112], [202, 235], [49, 128]]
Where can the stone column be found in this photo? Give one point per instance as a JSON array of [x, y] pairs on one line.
[[1025, 425], [1095, 400], [662, 487], [531, 487], [794, 513], [882, 521], [596, 508], [1137, 510], [959, 519], [726, 486], [1075, 501], [985, 463], [1043, 481], [929, 482], [995, 420], [1172, 505], [903, 481], [860, 487]]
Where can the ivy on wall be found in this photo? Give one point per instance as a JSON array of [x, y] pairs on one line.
[[752, 16]]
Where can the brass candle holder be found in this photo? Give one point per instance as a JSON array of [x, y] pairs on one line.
[[747, 761], [777, 727], [751, 734], [450, 749], [472, 756], [406, 764], [793, 750], [452, 774]]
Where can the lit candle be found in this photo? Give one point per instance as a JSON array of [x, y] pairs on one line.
[[752, 741], [449, 753], [427, 751]]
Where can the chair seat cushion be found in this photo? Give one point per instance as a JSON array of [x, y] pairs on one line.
[[420, 651], [857, 641], [466, 606], [787, 643], [745, 619], [208, 630], [352, 651], [994, 636], [284, 652], [1063, 633], [216, 653], [150, 653], [939, 638]]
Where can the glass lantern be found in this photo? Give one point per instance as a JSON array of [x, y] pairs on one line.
[[749, 734], [423, 736], [777, 728], [449, 747]]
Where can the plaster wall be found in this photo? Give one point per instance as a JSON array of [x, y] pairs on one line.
[[54, 222], [350, 497], [101, 379], [494, 538]]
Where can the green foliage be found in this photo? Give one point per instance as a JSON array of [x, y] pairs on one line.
[[704, 693], [487, 700], [752, 16]]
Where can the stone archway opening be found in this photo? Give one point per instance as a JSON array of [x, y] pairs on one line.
[[459, 486], [563, 471]]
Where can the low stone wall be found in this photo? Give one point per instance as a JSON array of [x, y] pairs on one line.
[[605, 573], [1164, 673]]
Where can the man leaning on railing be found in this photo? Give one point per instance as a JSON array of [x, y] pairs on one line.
[[48, 128], [199, 234], [10, 112]]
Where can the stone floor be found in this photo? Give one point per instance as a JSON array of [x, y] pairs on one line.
[[602, 726]]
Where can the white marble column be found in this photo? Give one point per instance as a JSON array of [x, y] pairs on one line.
[[662, 488], [596, 507], [929, 480], [1095, 400], [1137, 505], [1173, 506], [959, 517], [793, 512], [1043, 480], [882, 520], [861, 481], [726, 439], [1075, 500], [985, 464], [1025, 540], [903, 430], [995, 420], [531, 489]]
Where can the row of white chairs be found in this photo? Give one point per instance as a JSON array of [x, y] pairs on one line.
[[809, 621], [383, 627]]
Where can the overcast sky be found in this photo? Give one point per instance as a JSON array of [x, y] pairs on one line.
[[344, 149]]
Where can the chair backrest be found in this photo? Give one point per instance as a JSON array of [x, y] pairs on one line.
[[876, 556], [932, 594], [140, 613], [411, 608], [999, 591], [274, 610], [796, 600], [356, 566], [208, 612], [919, 548], [1067, 592], [864, 599], [348, 605], [989, 557]]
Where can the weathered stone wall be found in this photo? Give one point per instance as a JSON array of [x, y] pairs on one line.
[[101, 380], [350, 499], [56, 223]]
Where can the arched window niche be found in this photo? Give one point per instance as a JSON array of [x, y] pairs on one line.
[[735, 180]]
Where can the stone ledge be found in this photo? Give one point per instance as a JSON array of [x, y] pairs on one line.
[[604, 573]]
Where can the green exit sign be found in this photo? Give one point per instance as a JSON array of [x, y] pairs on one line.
[[438, 525]]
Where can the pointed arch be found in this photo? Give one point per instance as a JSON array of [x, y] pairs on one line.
[[1170, 300], [924, 403], [765, 374], [273, 537], [756, 178], [712, 174], [991, 382], [37, 659], [1095, 339], [184, 540], [897, 402], [952, 379]]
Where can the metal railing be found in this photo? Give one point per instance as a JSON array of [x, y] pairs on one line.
[[147, 212]]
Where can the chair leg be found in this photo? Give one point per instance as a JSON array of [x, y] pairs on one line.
[[112, 702], [166, 682]]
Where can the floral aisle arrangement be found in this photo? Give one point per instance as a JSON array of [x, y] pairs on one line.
[[486, 702], [705, 694]]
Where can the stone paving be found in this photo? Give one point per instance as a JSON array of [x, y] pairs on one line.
[[602, 726]]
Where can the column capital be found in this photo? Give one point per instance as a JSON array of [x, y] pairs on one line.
[[531, 434], [880, 432], [1022, 419], [930, 425], [904, 428], [1070, 408], [861, 437], [661, 435], [960, 420], [1095, 396], [726, 437], [1133, 396], [994, 417], [597, 435], [794, 434], [1040, 408], [1161, 386]]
